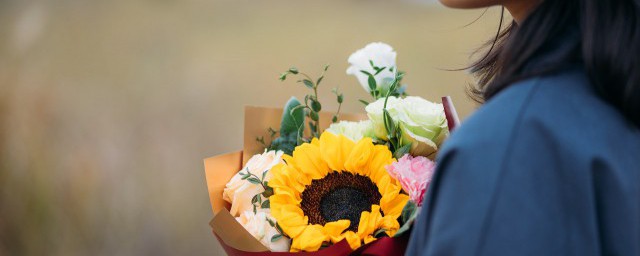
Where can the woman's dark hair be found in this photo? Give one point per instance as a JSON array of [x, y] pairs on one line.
[[607, 43]]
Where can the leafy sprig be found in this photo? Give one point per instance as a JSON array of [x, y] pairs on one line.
[[311, 105], [275, 225], [257, 201], [339, 99]]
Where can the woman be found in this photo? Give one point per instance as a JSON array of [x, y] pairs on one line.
[[550, 164]]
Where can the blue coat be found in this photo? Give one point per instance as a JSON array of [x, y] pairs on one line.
[[546, 167]]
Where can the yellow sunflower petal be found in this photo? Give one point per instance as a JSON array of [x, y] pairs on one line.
[[357, 161], [334, 229], [291, 219], [285, 176], [352, 238], [281, 199], [380, 158], [392, 204], [390, 224], [294, 176], [369, 239], [369, 221], [335, 149], [277, 176], [385, 186], [307, 160], [309, 240]]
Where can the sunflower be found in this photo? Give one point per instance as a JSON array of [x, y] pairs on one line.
[[333, 189]]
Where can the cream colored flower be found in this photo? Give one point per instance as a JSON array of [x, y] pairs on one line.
[[422, 123], [238, 192], [353, 130], [259, 227]]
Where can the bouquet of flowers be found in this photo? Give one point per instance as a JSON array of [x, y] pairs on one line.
[[353, 185]]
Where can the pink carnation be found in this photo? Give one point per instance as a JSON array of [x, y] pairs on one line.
[[414, 174]]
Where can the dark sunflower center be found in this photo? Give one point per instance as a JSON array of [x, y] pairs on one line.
[[339, 196]]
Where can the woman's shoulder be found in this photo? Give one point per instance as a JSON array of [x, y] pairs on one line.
[[561, 110]]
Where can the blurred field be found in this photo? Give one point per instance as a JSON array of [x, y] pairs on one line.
[[107, 108]]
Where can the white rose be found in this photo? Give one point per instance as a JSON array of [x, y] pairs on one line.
[[259, 227], [353, 130], [238, 192], [422, 123], [382, 55]]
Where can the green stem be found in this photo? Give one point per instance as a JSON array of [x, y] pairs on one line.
[[386, 99], [315, 94]]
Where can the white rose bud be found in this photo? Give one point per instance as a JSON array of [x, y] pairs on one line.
[[382, 55], [239, 192]]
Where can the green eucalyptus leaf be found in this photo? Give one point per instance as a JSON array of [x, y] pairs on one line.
[[265, 204], [335, 119], [402, 151], [293, 70], [372, 83], [292, 117], [314, 116], [366, 103], [340, 98], [365, 72], [275, 238], [319, 80], [316, 106], [285, 143], [291, 127], [308, 83], [254, 180]]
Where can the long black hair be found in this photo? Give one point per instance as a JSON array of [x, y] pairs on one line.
[[607, 44]]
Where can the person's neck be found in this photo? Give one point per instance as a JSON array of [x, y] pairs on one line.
[[520, 9]]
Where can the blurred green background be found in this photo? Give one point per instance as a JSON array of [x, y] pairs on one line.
[[107, 108]]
